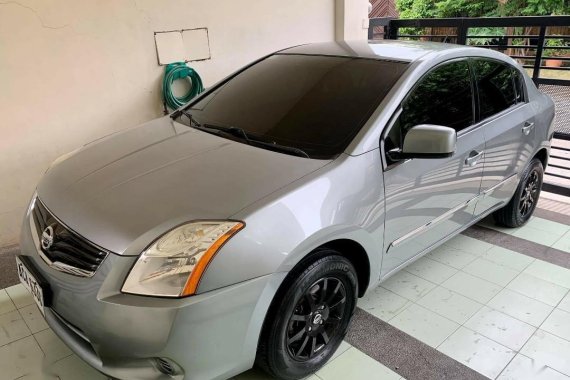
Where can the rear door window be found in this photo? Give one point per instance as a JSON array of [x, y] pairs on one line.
[[495, 86]]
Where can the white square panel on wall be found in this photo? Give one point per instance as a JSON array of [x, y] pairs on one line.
[[196, 44], [182, 45], [169, 47]]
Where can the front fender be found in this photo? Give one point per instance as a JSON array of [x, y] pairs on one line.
[[343, 200]]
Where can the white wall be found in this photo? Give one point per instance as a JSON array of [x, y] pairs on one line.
[[73, 71], [351, 19]]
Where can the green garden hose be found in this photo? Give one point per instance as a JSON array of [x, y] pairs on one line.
[[175, 71]]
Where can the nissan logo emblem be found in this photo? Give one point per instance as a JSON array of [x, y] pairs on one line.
[[47, 237]]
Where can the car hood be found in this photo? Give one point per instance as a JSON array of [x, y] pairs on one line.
[[162, 173]]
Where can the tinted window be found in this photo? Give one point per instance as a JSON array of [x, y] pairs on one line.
[[519, 86], [443, 97], [315, 103], [495, 85]]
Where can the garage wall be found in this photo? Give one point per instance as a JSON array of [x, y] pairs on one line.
[[73, 71]]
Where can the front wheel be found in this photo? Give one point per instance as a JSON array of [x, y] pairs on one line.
[[519, 210], [308, 318]]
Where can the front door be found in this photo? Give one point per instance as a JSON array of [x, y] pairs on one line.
[[428, 199]]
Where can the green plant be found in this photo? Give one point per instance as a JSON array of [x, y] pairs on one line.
[[554, 43], [484, 35], [480, 8]]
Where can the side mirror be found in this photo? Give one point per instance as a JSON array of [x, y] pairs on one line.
[[429, 141]]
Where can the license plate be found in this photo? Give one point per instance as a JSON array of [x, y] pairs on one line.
[[29, 281]]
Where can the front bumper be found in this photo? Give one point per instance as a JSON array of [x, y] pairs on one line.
[[207, 336]]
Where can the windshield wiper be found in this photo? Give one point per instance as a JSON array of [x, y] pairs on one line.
[[249, 139], [283, 148]]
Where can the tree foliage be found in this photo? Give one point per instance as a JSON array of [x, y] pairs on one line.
[[480, 8], [534, 7]]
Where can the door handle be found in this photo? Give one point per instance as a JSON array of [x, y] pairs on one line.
[[528, 126], [473, 158]]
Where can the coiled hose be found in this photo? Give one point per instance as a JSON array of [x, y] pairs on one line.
[[175, 71]]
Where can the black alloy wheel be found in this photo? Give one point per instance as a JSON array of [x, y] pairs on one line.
[[316, 318], [529, 195], [309, 316], [521, 206]]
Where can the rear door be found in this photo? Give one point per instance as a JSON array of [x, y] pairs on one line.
[[429, 199], [508, 123]]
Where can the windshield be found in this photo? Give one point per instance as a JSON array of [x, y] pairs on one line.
[[316, 104]]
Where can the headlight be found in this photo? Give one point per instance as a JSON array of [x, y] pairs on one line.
[[173, 265]]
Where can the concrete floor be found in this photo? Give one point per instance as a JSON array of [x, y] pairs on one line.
[[490, 303]]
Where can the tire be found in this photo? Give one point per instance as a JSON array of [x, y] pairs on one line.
[[521, 206], [293, 323]]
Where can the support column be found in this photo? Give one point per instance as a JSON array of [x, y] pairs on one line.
[[351, 19]]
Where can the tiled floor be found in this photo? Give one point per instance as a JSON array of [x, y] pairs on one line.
[[504, 314]]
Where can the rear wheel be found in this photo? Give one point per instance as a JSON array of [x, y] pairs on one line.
[[308, 318], [519, 210]]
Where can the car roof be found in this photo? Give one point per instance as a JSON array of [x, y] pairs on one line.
[[396, 50]]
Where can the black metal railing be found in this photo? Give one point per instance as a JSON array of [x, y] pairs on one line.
[[536, 41]]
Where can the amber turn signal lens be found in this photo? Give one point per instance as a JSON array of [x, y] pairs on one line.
[[200, 268]]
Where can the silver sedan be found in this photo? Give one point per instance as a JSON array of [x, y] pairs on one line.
[[242, 228]]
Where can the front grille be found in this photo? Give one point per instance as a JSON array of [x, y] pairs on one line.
[[64, 249]]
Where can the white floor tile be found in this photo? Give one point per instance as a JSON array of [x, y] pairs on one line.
[[550, 350], [468, 244], [6, 304], [424, 325], [521, 307], [20, 358], [563, 243], [20, 295], [558, 323], [508, 258], [565, 303], [431, 270], [53, 347], [524, 368], [449, 304], [342, 348], [33, 318], [408, 285], [40, 374], [477, 352], [383, 303], [491, 271], [355, 365], [537, 288], [453, 257], [472, 287], [12, 328], [548, 225], [549, 272], [501, 328], [73, 368], [537, 236]]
